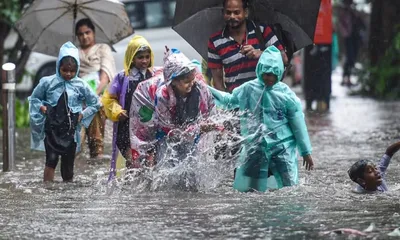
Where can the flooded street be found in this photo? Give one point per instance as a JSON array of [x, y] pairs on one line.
[[355, 128]]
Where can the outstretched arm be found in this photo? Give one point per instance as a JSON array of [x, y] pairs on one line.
[[392, 149], [226, 100]]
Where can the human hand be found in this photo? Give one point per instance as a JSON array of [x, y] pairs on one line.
[[308, 162], [207, 127], [122, 116], [250, 52], [43, 109]]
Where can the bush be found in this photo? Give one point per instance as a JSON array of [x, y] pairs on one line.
[[382, 80], [21, 114]]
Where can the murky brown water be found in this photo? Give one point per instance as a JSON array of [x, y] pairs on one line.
[[356, 127]]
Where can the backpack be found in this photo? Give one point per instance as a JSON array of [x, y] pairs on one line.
[[284, 37]]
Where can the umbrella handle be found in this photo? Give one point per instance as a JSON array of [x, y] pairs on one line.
[[75, 13]]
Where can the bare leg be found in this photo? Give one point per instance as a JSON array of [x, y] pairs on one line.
[[48, 175], [96, 135]]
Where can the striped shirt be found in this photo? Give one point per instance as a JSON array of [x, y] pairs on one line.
[[224, 52]]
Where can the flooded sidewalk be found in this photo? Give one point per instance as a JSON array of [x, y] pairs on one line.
[[355, 128]]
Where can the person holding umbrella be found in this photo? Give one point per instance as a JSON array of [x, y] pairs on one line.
[[98, 68], [234, 51]]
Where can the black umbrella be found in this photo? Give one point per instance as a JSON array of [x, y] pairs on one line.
[[195, 21]]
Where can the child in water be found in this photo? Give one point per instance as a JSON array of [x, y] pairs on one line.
[[117, 99], [273, 124], [177, 98], [369, 177], [56, 113]]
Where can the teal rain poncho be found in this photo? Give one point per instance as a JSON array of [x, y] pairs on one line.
[[273, 124], [49, 90]]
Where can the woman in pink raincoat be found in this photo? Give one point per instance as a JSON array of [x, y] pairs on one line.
[[184, 102], [178, 99]]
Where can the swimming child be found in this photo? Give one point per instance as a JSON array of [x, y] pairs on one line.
[[369, 177], [56, 113], [273, 124]]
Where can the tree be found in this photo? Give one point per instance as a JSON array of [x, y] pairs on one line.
[[384, 49], [384, 27], [10, 12]]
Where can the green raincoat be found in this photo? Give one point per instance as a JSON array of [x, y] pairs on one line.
[[273, 124]]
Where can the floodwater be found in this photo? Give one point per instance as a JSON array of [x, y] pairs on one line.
[[355, 128]]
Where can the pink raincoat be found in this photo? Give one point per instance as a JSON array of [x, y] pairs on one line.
[[166, 101]]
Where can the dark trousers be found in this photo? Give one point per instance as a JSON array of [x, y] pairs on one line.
[[352, 47], [67, 160], [317, 74]]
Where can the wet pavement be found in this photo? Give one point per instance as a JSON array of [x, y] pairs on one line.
[[355, 128]]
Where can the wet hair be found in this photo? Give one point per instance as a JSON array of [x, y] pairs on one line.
[[356, 171], [84, 22], [143, 48], [244, 2], [68, 60]]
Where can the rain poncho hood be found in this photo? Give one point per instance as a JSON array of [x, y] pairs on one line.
[[177, 64], [270, 62], [136, 44], [272, 122], [68, 49], [50, 89]]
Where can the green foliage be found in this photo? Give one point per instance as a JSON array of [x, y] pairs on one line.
[[382, 80], [10, 10], [21, 114]]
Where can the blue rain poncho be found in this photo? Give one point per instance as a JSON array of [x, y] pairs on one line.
[[50, 89], [273, 125]]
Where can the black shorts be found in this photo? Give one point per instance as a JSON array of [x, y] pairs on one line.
[[67, 160]]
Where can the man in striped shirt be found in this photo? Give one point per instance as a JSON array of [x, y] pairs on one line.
[[235, 50]]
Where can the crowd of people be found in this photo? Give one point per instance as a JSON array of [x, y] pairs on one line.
[[147, 103]]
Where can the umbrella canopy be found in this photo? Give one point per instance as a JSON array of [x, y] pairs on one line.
[[195, 21], [46, 25]]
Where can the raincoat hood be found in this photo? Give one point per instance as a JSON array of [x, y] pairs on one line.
[[176, 64], [68, 49], [134, 46], [270, 62]]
